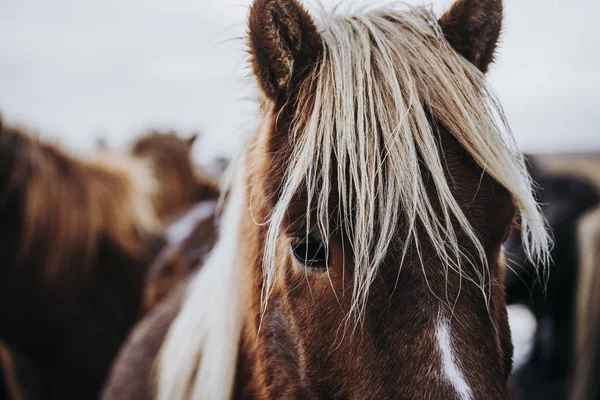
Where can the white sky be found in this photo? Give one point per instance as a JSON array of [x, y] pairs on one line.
[[77, 69]]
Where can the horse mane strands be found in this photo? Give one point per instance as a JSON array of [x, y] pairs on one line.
[[69, 202], [198, 357], [384, 71]]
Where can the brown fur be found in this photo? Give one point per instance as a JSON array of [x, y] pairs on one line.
[[293, 359], [180, 184], [75, 240], [283, 44], [307, 347], [17, 379], [178, 261], [302, 351], [131, 375], [584, 165], [586, 328], [473, 27], [587, 362]]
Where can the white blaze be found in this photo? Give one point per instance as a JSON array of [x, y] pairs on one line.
[[450, 368]]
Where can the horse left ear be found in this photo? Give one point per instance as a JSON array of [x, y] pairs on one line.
[[192, 139], [284, 43], [473, 27]]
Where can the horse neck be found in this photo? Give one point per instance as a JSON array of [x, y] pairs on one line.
[[180, 189]]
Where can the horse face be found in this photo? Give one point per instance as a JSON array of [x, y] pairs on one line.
[[352, 310]]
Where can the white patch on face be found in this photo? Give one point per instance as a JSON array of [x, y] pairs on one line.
[[523, 327], [450, 368]]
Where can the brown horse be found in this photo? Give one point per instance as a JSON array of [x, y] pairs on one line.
[[587, 360], [586, 348], [190, 239], [566, 198], [359, 253], [181, 184], [584, 327], [76, 237], [185, 200]]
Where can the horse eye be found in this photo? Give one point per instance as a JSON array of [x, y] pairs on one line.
[[311, 253]]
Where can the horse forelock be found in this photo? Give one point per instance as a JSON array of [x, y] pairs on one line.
[[366, 127]]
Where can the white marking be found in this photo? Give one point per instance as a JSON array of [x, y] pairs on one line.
[[523, 327], [179, 230], [450, 366]]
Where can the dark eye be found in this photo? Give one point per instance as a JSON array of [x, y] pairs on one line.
[[311, 253]]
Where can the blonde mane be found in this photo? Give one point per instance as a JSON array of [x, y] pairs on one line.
[[367, 103], [384, 71], [198, 357]]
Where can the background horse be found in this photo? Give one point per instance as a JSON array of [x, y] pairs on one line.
[[586, 326], [565, 199], [76, 237], [191, 238], [587, 355], [186, 202], [181, 183], [359, 251]]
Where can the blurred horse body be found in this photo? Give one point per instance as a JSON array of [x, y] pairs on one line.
[[586, 385], [190, 239], [585, 321], [76, 237], [181, 184], [186, 203], [566, 197]]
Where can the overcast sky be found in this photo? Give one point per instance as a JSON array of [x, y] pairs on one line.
[[79, 69]]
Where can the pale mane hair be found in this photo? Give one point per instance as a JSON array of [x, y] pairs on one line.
[[367, 102], [198, 357]]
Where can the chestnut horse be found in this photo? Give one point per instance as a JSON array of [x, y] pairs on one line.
[[76, 238], [186, 202], [181, 183], [359, 253]]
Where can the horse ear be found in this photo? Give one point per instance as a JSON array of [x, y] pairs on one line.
[[284, 42], [473, 27], [192, 139]]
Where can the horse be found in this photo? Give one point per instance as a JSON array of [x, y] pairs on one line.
[[190, 239], [76, 237], [182, 184], [359, 247], [565, 199], [186, 203], [587, 333], [586, 324]]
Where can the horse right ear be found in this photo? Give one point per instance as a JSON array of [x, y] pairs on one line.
[[473, 27], [284, 43], [192, 139]]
